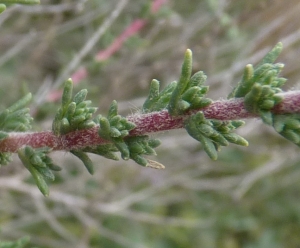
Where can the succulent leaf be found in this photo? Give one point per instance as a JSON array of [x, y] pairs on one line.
[[213, 134], [40, 165], [75, 113], [85, 160]]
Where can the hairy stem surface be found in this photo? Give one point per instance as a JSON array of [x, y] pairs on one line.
[[145, 123]]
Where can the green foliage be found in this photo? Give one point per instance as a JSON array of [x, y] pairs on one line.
[[288, 126], [21, 1], [189, 91], [248, 198], [141, 145], [188, 94], [213, 133], [2, 7], [261, 97], [75, 113], [260, 87], [176, 99], [156, 100], [5, 158], [20, 243], [116, 128], [16, 118], [107, 151], [85, 160], [265, 73], [40, 166], [4, 3], [177, 105]]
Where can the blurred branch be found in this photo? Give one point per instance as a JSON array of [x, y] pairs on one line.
[[51, 220], [163, 220], [274, 165], [52, 9], [105, 54], [90, 222], [90, 44], [20, 45]]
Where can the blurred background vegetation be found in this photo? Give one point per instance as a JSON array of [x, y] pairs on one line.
[[248, 198]]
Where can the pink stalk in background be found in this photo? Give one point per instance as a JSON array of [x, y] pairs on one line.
[[131, 30], [135, 27]]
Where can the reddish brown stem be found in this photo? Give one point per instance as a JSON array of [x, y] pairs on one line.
[[232, 109]]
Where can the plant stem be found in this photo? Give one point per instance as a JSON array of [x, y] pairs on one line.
[[145, 123]]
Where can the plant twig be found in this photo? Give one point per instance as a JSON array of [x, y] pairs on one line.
[[145, 123]]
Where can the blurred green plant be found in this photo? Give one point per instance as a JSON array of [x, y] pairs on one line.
[[20, 243], [3, 4]]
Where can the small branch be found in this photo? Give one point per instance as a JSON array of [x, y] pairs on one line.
[[290, 103], [145, 123]]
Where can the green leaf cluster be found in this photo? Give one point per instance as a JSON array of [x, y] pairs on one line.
[[265, 73], [141, 145], [75, 112], [156, 100], [191, 97], [260, 85], [6, 2], [40, 165], [288, 126], [20, 243], [116, 128], [107, 150], [16, 118], [213, 133], [135, 147], [5, 158], [189, 92], [85, 160]]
